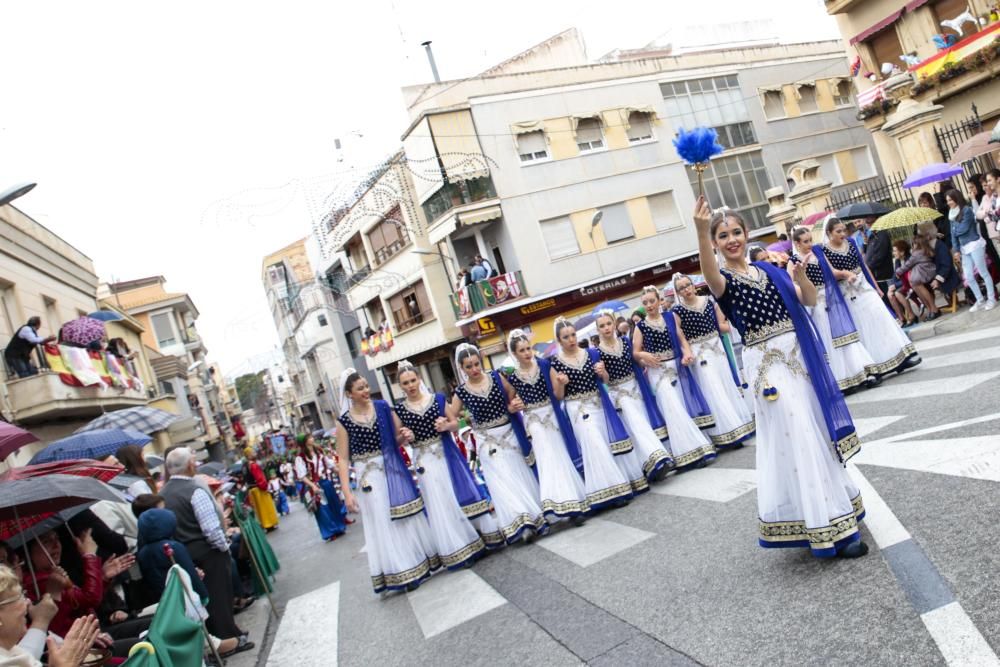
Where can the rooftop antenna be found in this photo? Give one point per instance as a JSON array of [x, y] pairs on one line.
[[430, 59]]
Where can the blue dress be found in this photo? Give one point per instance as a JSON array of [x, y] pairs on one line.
[[330, 512]]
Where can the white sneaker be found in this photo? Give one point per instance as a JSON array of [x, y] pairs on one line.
[[990, 305], [977, 306]]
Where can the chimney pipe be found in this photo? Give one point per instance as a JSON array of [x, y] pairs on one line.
[[430, 59]]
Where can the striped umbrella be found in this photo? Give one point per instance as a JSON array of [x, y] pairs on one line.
[[13, 438], [143, 419], [96, 444]]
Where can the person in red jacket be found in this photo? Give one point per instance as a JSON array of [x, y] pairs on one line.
[[260, 497]]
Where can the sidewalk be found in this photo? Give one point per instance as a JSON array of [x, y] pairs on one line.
[[950, 323], [257, 622]]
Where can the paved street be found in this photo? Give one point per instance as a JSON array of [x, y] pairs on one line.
[[676, 578]]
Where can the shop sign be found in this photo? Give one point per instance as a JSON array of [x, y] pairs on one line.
[[486, 326], [604, 287], [537, 307]]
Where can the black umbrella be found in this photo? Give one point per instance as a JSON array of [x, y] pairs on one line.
[[212, 468], [864, 209]]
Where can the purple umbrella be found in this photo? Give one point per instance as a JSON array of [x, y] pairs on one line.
[[781, 246], [932, 173], [13, 438], [83, 331]]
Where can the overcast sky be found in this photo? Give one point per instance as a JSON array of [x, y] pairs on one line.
[[192, 139]]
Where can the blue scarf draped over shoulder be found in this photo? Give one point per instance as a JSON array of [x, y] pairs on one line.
[[469, 496], [404, 499], [656, 420], [842, 328], [517, 425], [618, 437], [694, 400], [562, 419]]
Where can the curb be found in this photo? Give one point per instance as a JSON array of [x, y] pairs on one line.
[[956, 322]]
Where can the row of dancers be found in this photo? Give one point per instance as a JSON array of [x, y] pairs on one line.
[[588, 429]]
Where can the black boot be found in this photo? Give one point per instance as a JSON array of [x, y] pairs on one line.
[[853, 550]]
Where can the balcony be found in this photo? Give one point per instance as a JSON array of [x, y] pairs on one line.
[[460, 193], [484, 294]]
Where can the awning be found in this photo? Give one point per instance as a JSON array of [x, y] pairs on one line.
[[482, 215], [422, 161], [575, 120], [458, 146], [528, 126], [442, 230], [878, 27], [913, 4], [646, 109]]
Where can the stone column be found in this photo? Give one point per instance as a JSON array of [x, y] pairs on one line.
[[781, 214], [811, 192], [911, 126]]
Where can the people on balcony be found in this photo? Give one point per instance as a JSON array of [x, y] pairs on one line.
[[18, 351]]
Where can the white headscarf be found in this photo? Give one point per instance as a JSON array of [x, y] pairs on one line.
[[405, 365], [462, 377], [345, 402], [516, 335]]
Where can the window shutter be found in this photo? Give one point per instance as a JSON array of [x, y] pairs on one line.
[[560, 237], [531, 145], [664, 211], [616, 224], [639, 128]]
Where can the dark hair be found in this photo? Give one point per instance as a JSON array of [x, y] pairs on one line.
[[406, 369], [562, 324], [928, 198], [782, 237], [145, 501], [514, 340], [719, 218], [349, 382], [995, 173], [640, 313], [799, 231], [902, 246], [831, 224], [130, 456], [957, 197], [34, 321], [756, 252], [976, 180], [466, 353]]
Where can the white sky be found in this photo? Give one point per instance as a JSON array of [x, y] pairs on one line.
[[192, 139]]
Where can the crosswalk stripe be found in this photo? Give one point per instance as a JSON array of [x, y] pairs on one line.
[[900, 391], [957, 339], [716, 484], [309, 621], [975, 457], [450, 600], [865, 426], [957, 637], [955, 358], [593, 541]]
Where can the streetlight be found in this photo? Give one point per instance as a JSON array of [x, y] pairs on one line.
[[15, 191]]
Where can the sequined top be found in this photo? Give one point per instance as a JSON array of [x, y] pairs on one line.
[[529, 386], [697, 325], [656, 340], [421, 423], [815, 274], [363, 437], [755, 305], [844, 260], [488, 409], [582, 379], [618, 362]]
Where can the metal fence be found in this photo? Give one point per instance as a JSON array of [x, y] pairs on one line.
[[886, 190], [953, 135]]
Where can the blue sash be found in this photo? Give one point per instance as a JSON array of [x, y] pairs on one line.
[[842, 328], [694, 400], [868, 274], [469, 497], [404, 500], [618, 437], [730, 355], [837, 417], [562, 419], [517, 424], [656, 420]]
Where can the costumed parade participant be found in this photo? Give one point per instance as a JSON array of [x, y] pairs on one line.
[[259, 494], [631, 394], [703, 325], [318, 493], [597, 429], [446, 485], [805, 498], [502, 447], [886, 343], [397, 537], [848, 358], [557, 457], [660, 346]]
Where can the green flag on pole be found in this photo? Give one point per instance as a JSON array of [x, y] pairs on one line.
[[177, 641]]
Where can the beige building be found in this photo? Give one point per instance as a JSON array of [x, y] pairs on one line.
[[921, 99]]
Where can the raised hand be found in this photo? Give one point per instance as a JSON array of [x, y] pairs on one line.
[[42, 613], [702, 214], [76, 644], [116, 565], [85, 543]]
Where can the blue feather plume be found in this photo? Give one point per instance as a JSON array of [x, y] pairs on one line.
[[697, 146]]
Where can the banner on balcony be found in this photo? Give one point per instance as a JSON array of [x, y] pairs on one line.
[[954, 54], [486, 294]]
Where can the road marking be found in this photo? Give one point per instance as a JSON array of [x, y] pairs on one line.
[[895, 391], [716, 484], [956, 358], [937, 429], [957, 339], [882, 523], [593, 541], [957, 637], [309, 621], [865, 426], [445, 602], [976, 457]]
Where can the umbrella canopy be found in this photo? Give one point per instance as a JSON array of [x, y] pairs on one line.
[[13, 438], [51, 493], [932, 173], [90, 445], [211, 468], [811, 220], [106, 316], [585, 321], [143, 419], [613, 306], [52, 521], [83, 331], [905, 217], [864, 209], [781, 246], [154, 461], [973, 148]]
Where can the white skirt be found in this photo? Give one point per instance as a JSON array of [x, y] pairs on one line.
[[489, 530], [401, 552], [560, 485], [886, 343], [454, 537], [734, 422], [804, 494], [849, 363], [688, 444], [647, 447], [513, 487], [604, 481]]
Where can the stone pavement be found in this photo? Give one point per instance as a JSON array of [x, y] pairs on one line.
[[677, 578]]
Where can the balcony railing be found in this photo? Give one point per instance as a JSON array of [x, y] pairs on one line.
[[484, 294]]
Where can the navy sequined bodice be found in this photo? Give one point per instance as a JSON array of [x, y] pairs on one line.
[[487, 410], [815, 274], [697, 325], [656, 340], [846, 260], [582, 379], [755, 306], [618, 365], [530, 388], [421, 423], [363, 438]]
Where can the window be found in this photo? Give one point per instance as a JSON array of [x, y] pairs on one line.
[[738, 181], [163, 328], [588, 134], [774, 104], [560, 237], [410, 307], [807, 98], [615, 223], [734, 136], [166, 387], [885, 48], [354, 342], [389, 236], [663, 209], [864, 166], [716, 102], [639, 126], [531, 146], [322, 320]]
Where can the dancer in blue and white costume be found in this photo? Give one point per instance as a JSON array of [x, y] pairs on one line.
[[886, 343], [397, 538], [450, 493], [703, 325], [805, 498], [667, 364], [501, 446], [557, 459], [848, 358], [631, 394]]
